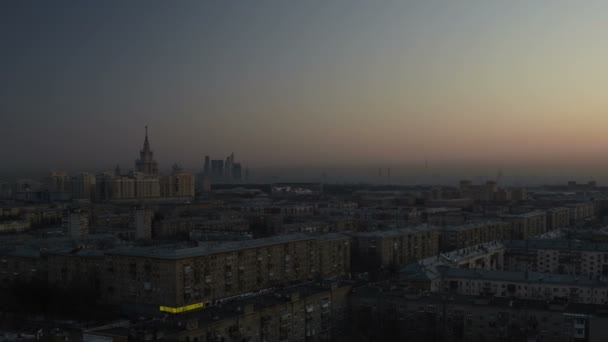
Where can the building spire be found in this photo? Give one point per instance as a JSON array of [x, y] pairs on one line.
[[146, 143], [146, 163]]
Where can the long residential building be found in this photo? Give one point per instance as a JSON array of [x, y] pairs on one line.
[[21, 266], [179, 226], [579, 212], [472, 234], [307, 312], [525, 285], [382, 314], [558, 218], [75, 268], [526, 225], [179, 277], [557, 256], [380, 249]]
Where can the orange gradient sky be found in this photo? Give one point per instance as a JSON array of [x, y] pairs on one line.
[[304, 83]]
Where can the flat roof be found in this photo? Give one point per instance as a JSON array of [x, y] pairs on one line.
[[522, 277], [473, 225], [528, 214], [215, 248], [472, 300], [21, 252], [559, 244], [395, 232]]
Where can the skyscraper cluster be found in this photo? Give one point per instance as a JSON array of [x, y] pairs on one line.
[[223, 171]]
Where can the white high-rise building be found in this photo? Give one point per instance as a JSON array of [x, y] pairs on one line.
[[142, 222], [76, 223]]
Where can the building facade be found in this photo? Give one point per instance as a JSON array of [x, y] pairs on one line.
[[175, 278]]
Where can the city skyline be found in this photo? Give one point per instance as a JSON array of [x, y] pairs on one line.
[[289, 171], [420, 172], [290, 85]]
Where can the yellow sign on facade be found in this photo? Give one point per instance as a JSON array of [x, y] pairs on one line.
[[181, 308]]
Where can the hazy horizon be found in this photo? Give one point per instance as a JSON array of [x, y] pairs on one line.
[[419, 172], [472, 86]]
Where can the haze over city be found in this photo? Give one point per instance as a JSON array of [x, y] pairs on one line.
[[303, 171], [308, 87]]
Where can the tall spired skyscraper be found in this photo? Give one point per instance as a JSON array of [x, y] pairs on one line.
[[146, 163]]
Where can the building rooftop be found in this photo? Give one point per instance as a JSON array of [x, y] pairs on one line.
[[428, 269], [461, 299], [81, 252], [21, 252], [473, 225], [471, 252], [203, 219], [332, 236], [522, 277], [395, 232], [559, 244], [528, 214], [222, 247]]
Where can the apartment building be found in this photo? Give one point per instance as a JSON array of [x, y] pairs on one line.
[[141, 222], [180, 184], [380, 249], [557, 256], [472, 234], [579, 212], [526, 285], [75, 268], [286, 209], [302, 313], [184, 225], [444, 216], [178, 277], [425, 274], [526, 225], [558, 218], [14, 226], [22, 265], [389, 315], [41, 216], [306, 227], [479, 193], [398, 214], [76, 223]]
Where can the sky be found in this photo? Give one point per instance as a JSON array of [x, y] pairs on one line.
[[295, 85]]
